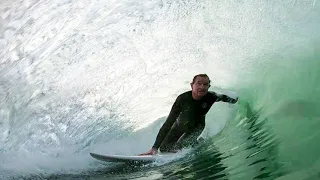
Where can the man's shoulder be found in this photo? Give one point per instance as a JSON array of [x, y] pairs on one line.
[[185, 95], [212, 94]]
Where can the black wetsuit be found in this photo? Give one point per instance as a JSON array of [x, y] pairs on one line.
[[186, 120]]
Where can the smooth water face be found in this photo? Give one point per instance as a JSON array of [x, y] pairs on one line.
[[101, 76]]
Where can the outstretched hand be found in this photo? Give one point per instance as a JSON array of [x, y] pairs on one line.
[[236, 100], [152, 151], [233, 101]]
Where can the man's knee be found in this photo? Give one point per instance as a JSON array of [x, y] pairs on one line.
[[166, 147]]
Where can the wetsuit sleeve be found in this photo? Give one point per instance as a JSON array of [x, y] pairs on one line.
[[174, 113], [225, 98]]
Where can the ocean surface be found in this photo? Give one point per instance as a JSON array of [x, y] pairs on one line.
[[101, 76]]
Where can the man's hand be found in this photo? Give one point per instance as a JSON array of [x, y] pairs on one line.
[[152, 151], [236, 100]]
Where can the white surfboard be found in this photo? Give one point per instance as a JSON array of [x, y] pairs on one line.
[[124, 158]]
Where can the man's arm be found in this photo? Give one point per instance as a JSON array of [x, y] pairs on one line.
[[174, 113], [225, 98]]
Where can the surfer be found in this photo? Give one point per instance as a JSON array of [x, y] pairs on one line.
[[186, 119]]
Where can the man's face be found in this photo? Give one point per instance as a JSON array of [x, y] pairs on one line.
[[200, 87]]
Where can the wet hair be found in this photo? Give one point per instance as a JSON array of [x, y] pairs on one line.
[[200, 75]]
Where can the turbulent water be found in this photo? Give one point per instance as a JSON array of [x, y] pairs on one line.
[[101, 76]]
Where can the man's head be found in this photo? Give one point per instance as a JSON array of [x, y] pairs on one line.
[[200, 85]]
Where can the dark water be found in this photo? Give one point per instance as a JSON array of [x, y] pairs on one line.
[[101, 76]]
